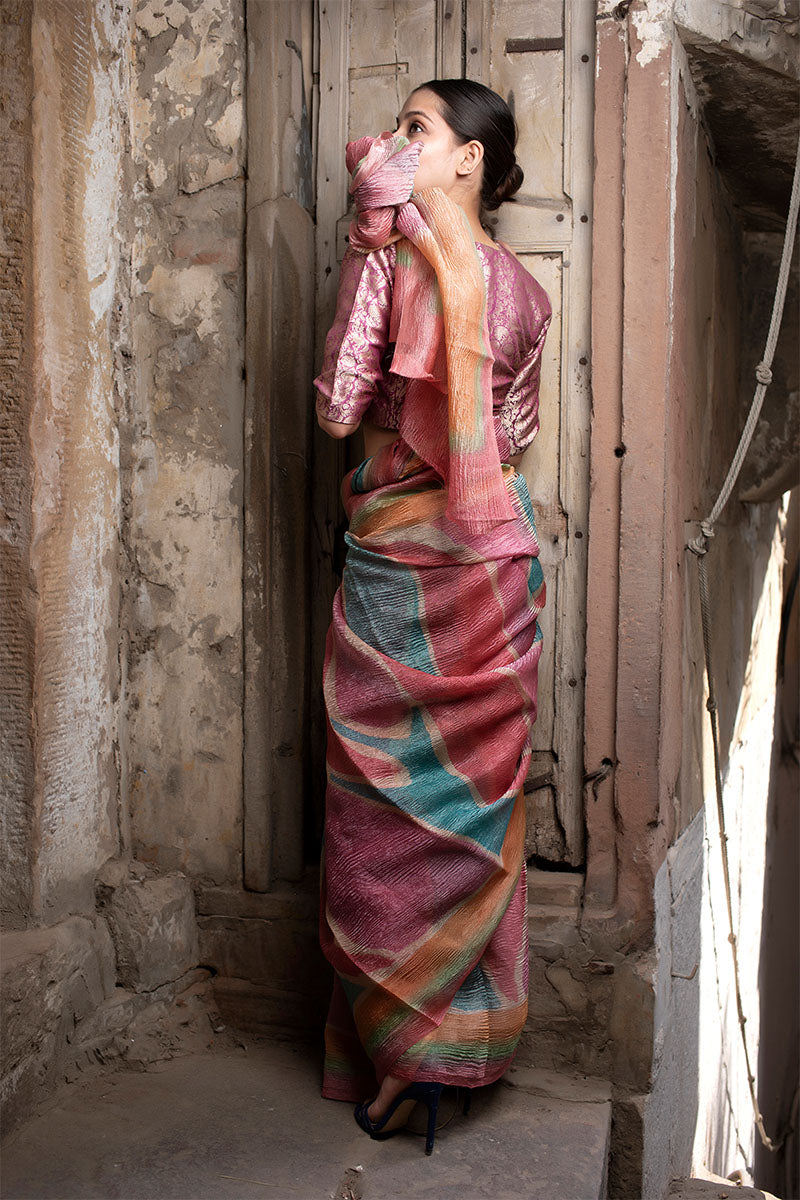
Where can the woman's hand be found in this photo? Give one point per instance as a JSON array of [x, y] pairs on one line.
[[336, 429]]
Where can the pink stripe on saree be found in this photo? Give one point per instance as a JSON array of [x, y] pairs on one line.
[[430, 686]]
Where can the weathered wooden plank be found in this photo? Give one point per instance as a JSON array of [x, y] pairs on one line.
[[540, 468], [279, 361], [327, 456], [551, 92], [579, 92], [332, 133], [384, 33], [449, 48]]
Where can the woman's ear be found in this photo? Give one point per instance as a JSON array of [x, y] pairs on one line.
[[471, 158]]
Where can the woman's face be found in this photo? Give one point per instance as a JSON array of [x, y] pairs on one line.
[[441, 162]]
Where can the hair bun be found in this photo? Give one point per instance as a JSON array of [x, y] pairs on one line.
[[510, 184]]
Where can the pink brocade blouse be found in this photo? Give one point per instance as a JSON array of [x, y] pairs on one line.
[[356, 380]]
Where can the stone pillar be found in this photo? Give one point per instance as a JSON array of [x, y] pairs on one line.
[[18, 608], [65, 820]]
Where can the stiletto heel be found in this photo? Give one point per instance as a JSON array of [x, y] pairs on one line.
[[433, 1104], [402, 1105], [467, 1100]]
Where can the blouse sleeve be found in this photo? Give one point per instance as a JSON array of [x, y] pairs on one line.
[[352, 364], [519, 412]]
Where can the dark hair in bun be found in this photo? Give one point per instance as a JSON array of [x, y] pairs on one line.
[[474, 111]]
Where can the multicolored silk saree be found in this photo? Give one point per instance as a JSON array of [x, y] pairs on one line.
[[430, 684], [430, 688]]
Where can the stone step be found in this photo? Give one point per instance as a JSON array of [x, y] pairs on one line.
[[554, 889], [550, 925], [716, 1187], [563, 889], [230, 1124], [560, 889]]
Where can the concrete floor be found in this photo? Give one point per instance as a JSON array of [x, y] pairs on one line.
[[250, 1122]]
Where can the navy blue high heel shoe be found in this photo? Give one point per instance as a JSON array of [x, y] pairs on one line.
[[398, 1112]]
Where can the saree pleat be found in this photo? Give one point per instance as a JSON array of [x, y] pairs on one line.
[[430, 687]]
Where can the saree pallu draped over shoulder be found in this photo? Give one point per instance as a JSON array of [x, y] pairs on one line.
[[430, 684]]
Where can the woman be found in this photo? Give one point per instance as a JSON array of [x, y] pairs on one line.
[[431, 660]]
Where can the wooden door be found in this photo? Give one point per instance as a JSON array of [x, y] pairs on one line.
[[279, 368], [540, 58]]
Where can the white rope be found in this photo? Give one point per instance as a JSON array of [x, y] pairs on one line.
[[699, 547], [763, 370]]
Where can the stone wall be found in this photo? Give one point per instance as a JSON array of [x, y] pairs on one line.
[[122, 232], [672, 295], [772, 465], [119, 988], [181, 438], [698, 1115]]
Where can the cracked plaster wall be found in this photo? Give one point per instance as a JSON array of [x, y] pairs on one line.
[[182, 443], [123, 382]]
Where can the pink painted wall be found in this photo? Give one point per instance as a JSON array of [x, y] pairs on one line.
[[627, 832], [668, 301]]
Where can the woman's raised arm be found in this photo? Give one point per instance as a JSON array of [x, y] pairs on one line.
[[352, 368], [336, 429]]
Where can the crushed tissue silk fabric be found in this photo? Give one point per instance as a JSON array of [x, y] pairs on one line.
[[356, 381], [430, 684], [439, 324]]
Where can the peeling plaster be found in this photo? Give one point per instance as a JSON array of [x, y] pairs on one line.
[[653, 25], [184, 446], [228, 129], [157, 16], [189, 65], [185, 295]]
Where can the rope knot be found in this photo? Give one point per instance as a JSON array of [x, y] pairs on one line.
[[699, 545], [763, 374]]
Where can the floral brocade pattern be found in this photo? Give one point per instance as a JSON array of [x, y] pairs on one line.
[[356, 381]]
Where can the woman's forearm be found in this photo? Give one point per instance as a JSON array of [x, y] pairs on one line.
[[337, 429]]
